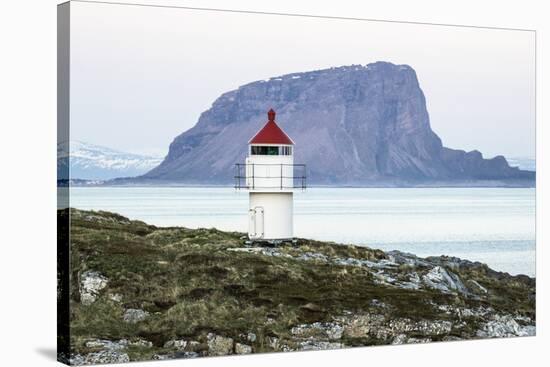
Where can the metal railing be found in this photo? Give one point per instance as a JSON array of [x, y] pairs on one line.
[[250, 180]]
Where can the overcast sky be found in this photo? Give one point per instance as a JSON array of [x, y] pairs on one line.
[[140, 76]]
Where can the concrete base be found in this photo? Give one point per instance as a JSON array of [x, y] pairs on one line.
[[270, 216]]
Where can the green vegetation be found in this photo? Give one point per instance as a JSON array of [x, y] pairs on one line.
[[193, 282]]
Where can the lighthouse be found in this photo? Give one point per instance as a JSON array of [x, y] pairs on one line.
[[271, 177]]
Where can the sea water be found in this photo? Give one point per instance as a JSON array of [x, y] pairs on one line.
[[495, 226]]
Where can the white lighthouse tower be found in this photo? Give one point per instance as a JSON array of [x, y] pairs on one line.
[[270, 175]]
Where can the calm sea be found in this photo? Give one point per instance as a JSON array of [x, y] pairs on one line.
[[492, 225]]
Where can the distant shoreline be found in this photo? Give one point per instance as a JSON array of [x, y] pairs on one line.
[[460, 184]]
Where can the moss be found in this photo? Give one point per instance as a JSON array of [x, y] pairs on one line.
[[192, 285]]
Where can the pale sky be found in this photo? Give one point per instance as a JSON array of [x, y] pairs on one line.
[[140, 76]]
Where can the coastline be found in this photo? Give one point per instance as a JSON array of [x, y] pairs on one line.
[[175, 292], [132, 182], [495, 225]]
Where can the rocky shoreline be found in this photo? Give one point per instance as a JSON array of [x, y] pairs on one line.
[[139, 292]]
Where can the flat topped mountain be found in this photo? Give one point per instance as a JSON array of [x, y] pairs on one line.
[[352, 125]]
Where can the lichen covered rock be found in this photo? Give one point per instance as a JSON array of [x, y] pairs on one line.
[[219, 345], [91, 283], [441, 279], [242, 348], [133, 315], [504, 327]]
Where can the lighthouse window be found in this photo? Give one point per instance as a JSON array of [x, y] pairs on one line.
[[264, 150], [286, 150], [272, 150]]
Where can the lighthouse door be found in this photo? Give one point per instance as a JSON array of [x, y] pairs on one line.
[[256, 223]]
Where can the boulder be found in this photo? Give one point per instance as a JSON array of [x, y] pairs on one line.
[[133, 315], [445, 281], [323, 330], [91, 283], [504, 326], [319, 345], [251, 337], [106, 356], [359, 326], [242, 348], [219, 345], [178, 344]]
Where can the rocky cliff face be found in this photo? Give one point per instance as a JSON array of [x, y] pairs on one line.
[[351, 125]]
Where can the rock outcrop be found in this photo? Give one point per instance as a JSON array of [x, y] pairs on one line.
[[219, 345], [353, 125], [187, 293], [91, 283], [133, 315]]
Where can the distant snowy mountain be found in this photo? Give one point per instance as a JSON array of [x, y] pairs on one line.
[[522, 163], [94, 162]]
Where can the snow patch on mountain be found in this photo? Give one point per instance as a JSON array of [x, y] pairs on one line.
[[94, 162], [525, 163]]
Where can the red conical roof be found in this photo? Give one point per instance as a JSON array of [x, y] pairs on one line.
[[271, 133]]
